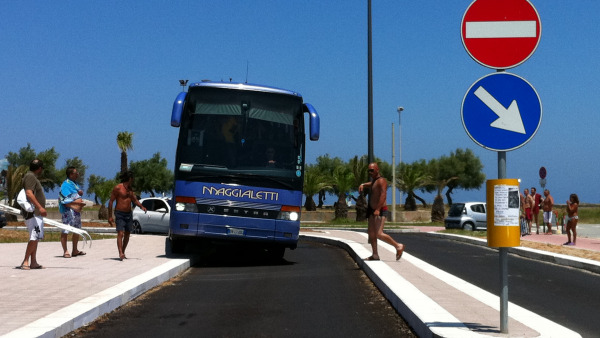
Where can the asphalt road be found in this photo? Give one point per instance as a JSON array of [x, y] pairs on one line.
[[317, 291], [564, 295]]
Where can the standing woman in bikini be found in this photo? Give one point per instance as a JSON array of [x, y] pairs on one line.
[[572, 218]]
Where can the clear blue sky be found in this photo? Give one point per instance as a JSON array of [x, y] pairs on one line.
[[75, 73]]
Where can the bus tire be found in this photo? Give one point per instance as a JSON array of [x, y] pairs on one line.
[[174, 246], [276, 252]]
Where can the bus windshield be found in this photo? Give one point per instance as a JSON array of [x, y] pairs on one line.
[[242, 137]]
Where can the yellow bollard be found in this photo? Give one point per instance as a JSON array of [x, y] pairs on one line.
[[503, 206]]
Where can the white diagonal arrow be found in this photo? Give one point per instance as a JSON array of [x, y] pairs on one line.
[[508, 119]]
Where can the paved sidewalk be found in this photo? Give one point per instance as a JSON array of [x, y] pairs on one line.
[[434, 302], [587, 243], [71, 292]]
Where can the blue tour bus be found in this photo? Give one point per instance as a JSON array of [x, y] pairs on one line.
[[239, 165]]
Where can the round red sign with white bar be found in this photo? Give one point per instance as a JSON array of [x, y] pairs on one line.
[[542, 172], [501, 34]]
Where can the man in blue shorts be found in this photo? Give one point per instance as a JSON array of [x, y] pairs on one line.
[[70, 205]]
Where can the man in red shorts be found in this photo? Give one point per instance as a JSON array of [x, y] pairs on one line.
[[537, 200]]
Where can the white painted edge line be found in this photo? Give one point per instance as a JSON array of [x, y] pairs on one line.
[[74, 316]]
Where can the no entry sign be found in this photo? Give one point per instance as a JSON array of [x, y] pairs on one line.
[[543, 172], [501, 34]]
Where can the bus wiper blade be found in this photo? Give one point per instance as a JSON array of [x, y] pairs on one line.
[[188, 167], [211, 166], [205, 177]]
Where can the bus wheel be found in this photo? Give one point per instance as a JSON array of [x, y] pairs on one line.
[[175, 246], [276, 252]]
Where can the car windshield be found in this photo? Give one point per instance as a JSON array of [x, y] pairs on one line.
[[456, 209]]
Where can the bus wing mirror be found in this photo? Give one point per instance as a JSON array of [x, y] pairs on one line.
[[177, 109], [313, 119]]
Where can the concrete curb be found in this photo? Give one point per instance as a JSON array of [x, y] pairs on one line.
[[89, 309]]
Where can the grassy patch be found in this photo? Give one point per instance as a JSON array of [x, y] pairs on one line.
[[346, 223], [588, 214], [22, 236], [341, 223], [478, 234]]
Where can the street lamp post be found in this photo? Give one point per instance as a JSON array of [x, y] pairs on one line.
[[400, 109], [393, 176], [183, 83]]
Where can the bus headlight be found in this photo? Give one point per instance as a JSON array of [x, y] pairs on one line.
[[187, 204], [289, 213]]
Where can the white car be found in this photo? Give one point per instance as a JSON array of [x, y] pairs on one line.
[[467, 216], [155, 219]]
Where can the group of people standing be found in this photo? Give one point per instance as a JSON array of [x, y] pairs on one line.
[[70, 206], [531, 202]]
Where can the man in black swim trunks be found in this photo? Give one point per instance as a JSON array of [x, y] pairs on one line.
[[377, 212], [123, 194]]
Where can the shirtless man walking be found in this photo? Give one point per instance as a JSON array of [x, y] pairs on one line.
[[123, 194], [376, 213]]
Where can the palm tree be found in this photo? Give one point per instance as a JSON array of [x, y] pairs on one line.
[[92, 181], [411, 178], [103, 191], [442, 173], [437, 211], [125, 142], [359, 169], [14, 179], [314, 181], [343, 182]]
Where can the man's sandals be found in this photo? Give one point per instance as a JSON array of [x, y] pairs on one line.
[[26, 267], [79, 253], [399, 252]]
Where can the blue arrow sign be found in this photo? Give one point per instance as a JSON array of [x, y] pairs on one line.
[[501, 112]]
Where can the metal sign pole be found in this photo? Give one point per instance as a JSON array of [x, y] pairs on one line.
[[393, 177], [503, 259]]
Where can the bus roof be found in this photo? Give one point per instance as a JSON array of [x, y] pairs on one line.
[[244, 86]]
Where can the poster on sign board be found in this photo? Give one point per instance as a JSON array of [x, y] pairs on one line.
[[506, 205]]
